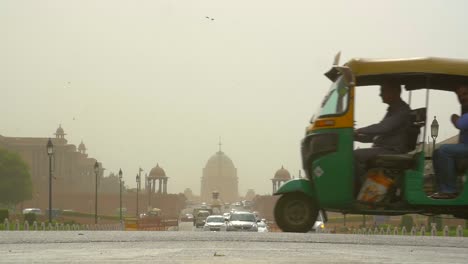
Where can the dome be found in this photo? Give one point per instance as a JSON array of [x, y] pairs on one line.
[[282, 174], [60, 131], [82, 146], [157, 172], [219, 159]]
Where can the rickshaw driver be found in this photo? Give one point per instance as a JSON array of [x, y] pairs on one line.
[[389, 136], [445, 156]]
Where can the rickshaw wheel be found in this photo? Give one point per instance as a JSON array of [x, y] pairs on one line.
[[295, 212]]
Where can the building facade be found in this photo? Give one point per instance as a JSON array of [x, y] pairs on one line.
[[220, 175], [72, 169]]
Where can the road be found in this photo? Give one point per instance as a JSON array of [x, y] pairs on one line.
[[224, 247]]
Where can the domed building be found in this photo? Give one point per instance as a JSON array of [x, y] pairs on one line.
[[157, 174], [220, 175], [60, 133], [281, 176], [82, 148]]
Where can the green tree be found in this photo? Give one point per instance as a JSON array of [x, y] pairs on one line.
[[15, 180], [437, 220], [407, 222]]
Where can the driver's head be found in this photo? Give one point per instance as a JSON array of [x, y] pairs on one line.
[[390, 92], [462, 93]]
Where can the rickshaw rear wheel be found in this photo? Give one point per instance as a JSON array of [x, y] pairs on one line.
[[295, 212]]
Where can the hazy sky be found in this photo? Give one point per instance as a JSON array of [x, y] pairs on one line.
[[147, 82]]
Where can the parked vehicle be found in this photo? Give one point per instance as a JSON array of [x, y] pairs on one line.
[[262, 227], [36, 211], [186, 218], [242, 221], [200, 218], [215, 223], [55, 212], [196, 210], [329, 141], [152, 217]]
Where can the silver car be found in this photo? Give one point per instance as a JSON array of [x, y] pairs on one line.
[[242, 221], [215, 223], [262, 227]]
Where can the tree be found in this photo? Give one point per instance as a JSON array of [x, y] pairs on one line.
[[437, 220], [407, 221], [15, 179]]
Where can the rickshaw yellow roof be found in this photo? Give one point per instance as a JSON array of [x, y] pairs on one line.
[[431, 65]]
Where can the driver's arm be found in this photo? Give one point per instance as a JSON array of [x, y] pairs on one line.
[[387, 125], [364, 138]]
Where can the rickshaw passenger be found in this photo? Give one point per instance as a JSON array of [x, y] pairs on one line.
[[389, 136], [445, 156]]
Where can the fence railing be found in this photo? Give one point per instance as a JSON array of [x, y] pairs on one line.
[[414, 231], [42, 226]]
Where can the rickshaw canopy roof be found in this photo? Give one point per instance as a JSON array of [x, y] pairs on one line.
[[413, 73]]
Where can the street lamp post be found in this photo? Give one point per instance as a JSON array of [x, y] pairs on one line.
[[96, 171], [50, 152], [120, 184], [434, 132], [138, 189], [148, 181]]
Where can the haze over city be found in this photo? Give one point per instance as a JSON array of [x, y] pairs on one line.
[[162, 82]]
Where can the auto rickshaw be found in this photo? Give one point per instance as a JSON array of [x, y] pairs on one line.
[[327, 149]]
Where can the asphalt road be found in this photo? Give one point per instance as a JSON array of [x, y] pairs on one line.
[[224, 247]]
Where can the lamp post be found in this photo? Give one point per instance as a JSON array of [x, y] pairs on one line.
[[120, 184], [96, 172], [138, 189], [434, 132], [50, 152], [149, 191]]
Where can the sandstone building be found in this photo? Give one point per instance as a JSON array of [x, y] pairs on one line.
[[73, 170], [220, 175]]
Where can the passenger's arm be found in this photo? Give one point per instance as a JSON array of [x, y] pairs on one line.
[[454, 119], [462, 122]]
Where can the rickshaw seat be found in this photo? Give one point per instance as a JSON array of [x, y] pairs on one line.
[[393, 161], [404, 161], [418, 120]]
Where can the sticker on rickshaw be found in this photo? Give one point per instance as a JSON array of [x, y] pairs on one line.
[[318, 171]]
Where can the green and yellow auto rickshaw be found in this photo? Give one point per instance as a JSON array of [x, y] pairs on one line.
[[327, 149]]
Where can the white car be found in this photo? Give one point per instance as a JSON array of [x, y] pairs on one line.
[[262, 227], [36, 211], [215, 223], [242, 221]]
